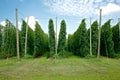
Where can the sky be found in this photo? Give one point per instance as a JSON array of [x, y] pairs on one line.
[[72, 11]]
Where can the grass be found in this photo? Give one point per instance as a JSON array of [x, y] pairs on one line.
[[72, 68]]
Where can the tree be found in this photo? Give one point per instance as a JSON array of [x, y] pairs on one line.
[[69, 43], [1, 38], [46, 43], [22, 33], [30, 41], [40, 41], [106, 40], [51, 37], [1, 35], [116, 38], [62, 38], [94, 32], [9, 47], [94, 37], [80, 40]]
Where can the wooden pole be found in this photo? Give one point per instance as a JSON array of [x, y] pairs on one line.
[[90, 39], [99, 34], [26, 36], [17, 35]]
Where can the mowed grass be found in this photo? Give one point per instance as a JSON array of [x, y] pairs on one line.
[[73, 68]]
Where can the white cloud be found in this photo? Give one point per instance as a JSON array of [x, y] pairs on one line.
[[110, 8], [70, 7], [19, 25], [3, 23], [81, 7], [98, 1], [31, 21]]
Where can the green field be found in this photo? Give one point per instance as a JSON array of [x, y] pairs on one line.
[[72, 68]]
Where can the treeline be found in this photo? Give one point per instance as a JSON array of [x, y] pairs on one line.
[[37, 41], [79, 41], [40, 43]]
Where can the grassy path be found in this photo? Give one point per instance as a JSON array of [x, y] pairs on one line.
[[61, 69]]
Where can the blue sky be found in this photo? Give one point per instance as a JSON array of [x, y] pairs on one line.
[[72, 11]]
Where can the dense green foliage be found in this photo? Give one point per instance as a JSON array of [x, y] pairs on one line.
[[78, 41], [30, 39], [116, 38], [9, 40], [62, 38], [22, 37], [1, 27], [107, 45], [51, 37], [94, 31], [69, 43], [46, 43], [40, 41], [94, 37]]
